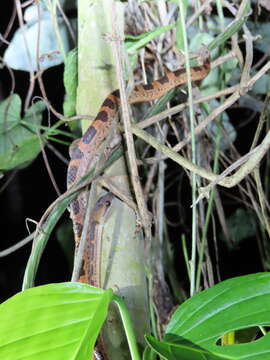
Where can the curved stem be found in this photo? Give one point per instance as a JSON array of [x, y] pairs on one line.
[[127, 323]]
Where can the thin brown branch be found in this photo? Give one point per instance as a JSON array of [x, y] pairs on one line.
[[144, 214]]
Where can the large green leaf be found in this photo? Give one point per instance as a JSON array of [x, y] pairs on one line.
[[179, 349], [197, 324], [55, 321], [19, 142]]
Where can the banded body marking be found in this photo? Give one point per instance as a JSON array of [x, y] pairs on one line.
[[93, 247], [86, 150]]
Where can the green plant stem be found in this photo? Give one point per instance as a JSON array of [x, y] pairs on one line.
[[200, 18], [220, 15], [193, 149], [216, 164], [207, 218], [264, 332], [185, 252], [127, 323], [151, 303]]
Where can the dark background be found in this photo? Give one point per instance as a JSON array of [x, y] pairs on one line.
[[30, 191]]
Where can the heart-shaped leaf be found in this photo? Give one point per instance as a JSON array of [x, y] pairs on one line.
[[19, 143], [198, 324], [55, 321]]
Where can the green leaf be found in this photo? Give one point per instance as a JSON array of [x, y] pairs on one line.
[[33, 114], [55, 321], [180, 25], [229, 31], [134, 43], [198, 324], [19, 143], [149, 354], [71, 83], [184, 350], [198, 39]]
